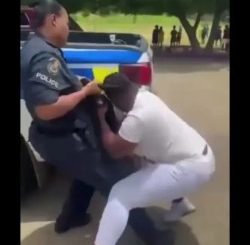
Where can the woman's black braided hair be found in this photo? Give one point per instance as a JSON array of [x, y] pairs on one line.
[[116, 83]]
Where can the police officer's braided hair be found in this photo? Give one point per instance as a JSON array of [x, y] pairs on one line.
[[41, 9], [116, 83]]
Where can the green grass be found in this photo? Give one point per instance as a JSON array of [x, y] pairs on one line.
[[124, 23]]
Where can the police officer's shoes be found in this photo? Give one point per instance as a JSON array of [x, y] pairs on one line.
[[67, 222]]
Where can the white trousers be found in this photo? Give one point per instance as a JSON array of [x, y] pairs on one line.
[[149, 186]]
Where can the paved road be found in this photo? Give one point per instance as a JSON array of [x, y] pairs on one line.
[[197, 91]]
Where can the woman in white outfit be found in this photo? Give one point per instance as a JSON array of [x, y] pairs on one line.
[[178, 160]]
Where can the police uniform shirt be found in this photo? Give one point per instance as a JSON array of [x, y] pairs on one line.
[[44, 79]]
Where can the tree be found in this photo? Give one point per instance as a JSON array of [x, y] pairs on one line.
[[131, 7], [72, 6], [179, 8], [26, 2], [182, 9], [219, 7]]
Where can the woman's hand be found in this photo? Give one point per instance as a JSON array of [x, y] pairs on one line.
[[102, 109]]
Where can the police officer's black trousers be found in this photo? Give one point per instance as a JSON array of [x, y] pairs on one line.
[[79, 198], [92, 170]]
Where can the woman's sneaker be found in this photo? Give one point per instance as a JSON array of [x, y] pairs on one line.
[[178, 210]]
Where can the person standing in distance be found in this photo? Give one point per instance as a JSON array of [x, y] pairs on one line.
[[155, 38], [173, 37], [161, 36]]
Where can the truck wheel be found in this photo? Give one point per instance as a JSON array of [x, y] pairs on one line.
[[27, 173]]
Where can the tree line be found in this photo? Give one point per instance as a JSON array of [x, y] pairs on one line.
[[181, 9]]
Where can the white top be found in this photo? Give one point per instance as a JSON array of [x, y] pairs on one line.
[[162, 136]]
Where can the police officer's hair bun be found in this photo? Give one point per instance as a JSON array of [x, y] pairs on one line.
[[42, 9]]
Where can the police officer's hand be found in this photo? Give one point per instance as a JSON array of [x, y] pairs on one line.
[[92, 88]]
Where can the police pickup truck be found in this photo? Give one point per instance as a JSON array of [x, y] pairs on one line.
[[88, 54]]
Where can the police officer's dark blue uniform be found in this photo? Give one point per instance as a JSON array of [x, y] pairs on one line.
[[47, 77], [70, 142]]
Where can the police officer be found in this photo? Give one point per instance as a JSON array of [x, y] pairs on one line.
[[65, 128]]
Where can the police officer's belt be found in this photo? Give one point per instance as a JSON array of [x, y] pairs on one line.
[[58, 132], [83, 133]]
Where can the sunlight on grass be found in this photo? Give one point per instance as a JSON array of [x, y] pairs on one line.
[[125, 23]]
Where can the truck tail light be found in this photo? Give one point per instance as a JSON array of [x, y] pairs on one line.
[[138, 73]]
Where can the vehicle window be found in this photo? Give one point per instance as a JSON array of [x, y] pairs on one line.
[[73, 25], [24, 21]]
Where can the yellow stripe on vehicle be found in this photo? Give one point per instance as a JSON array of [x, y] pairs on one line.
[[101, 72]]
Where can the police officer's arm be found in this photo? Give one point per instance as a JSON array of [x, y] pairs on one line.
[[45, 83], [65, 103]]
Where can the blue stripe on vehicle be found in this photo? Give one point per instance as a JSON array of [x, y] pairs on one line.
[[101, 56], [83, 72]]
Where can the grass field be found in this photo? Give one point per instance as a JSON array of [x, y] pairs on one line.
[[125, 23]]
